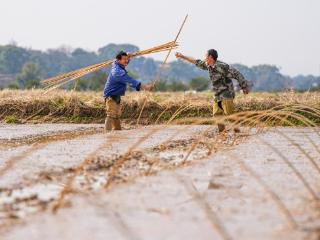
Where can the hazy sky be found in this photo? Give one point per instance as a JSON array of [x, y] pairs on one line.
[[281, 32]]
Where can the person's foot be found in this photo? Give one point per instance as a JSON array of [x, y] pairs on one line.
[[109, 122], [117, 124], [236, 130], [221, 127]]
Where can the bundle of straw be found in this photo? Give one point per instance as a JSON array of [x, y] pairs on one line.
[[58, 81]]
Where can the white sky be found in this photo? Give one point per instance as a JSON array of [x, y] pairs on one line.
[[281, 32]]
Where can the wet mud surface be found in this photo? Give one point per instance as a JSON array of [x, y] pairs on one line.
[[190, 180]]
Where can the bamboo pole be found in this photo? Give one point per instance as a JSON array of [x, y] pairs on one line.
[[58, 81]]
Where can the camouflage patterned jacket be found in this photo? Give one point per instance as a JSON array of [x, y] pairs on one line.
[[220, 75]]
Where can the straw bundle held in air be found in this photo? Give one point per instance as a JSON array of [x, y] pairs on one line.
[[55, 82]]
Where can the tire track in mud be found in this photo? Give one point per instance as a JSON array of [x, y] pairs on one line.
[[206, 208], [297, 173], [114, 167], [218, 225], [275, 197], [74, 172], [277, 200], [212, 216], [119, 162], [286, 211], [279, 203], [161, 147], [71, 174], [118, 220], [35, 147], [125, 228]]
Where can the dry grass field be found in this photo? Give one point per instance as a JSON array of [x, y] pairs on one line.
[[178, 173], [88, 107]]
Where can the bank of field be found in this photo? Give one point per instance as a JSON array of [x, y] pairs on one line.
[[17, 106]]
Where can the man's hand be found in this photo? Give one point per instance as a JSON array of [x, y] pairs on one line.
[[146, 87], [189, 59], [248, 87], [245, 91], [179, 55]]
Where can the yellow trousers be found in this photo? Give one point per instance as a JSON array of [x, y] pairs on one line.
[[226, 107]]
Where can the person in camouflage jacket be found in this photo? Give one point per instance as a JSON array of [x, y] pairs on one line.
[[221, 75]]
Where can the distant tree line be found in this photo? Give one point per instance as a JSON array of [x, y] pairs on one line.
[[29, 66]]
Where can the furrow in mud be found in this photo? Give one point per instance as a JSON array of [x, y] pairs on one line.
[[142, 195]]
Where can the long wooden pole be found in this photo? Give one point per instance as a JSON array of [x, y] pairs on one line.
[[161, 68], [168, 54]]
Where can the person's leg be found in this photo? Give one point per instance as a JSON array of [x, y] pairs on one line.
[[108, 124], [117, 124], [227, 106], [223, 107], [218, 110], [228, 109], [221, 127], [112, 113]]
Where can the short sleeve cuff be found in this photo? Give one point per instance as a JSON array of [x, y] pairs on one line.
[[198, 62]]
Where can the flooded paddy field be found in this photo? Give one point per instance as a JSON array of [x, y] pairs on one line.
[[72, 181]]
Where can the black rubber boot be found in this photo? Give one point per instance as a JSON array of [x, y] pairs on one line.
[[221, 127], [236, 130]]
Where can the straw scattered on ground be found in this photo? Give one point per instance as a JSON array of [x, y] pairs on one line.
[[17, 106]]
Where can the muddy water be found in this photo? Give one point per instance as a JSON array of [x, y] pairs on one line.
[[13, 131], [206, 194]]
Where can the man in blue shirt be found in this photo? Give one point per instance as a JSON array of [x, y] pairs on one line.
[[115, 87]]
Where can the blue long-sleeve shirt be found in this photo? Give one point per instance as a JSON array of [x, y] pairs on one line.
[[117, 81]]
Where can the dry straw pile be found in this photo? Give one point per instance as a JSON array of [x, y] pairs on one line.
[[58, 81]]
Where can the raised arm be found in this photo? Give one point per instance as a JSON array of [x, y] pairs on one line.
[[199, 63], [189, 59]]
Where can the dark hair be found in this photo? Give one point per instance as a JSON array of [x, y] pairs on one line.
[[120, 54], [213, 53]]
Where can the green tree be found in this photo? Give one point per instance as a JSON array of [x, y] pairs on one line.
[[161, 86], [98, 81], [82, 58], [12, 58], [94, 82], [199, 84], [177, 86], [269, 78], [133, 74], [109, 51], [29, 76], [13, 86]]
